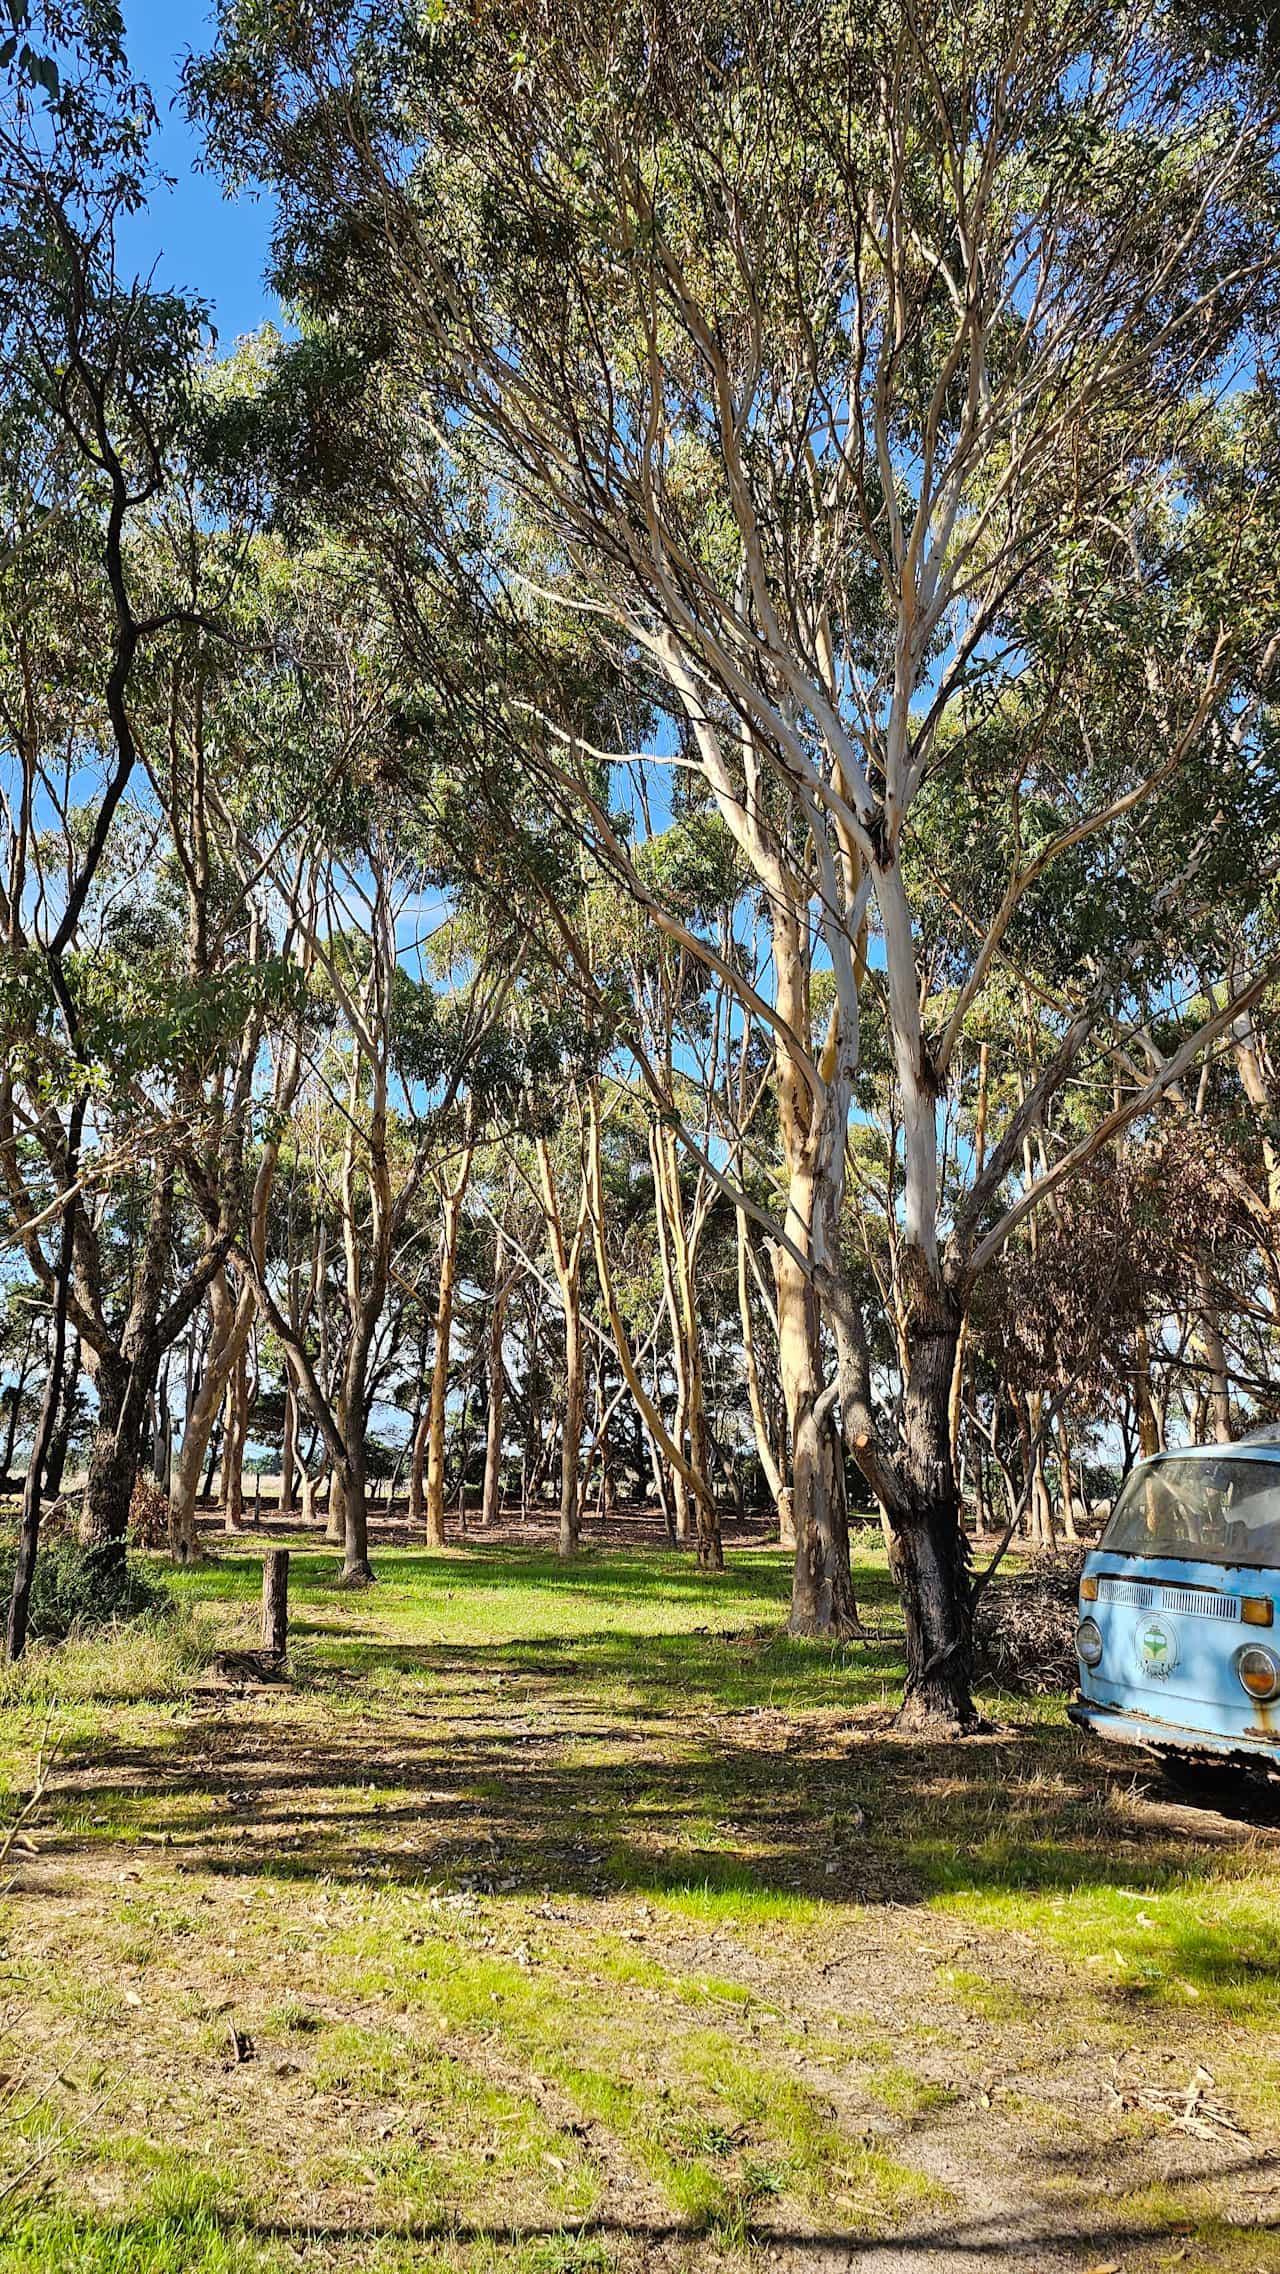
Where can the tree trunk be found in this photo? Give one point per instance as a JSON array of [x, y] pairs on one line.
[[822, 1597], [126, 1379], [492, 1492], [46, 1425], [289, 1447], [1068, 1493], [1215, 1354], [215, 1455], [933, 1548], [417, 1465], [184, 1539], [933, 1575], [440, 1366], [571, 1435], [356, 1568], [779, 1489], [979, 1157], [60, 1442], [233, 1448], [982, 1503], [710, 1541], [335, 1526], [436, 1407], [1148, 1422], [660, 1476], [537, 1458], [567, 1257], [113, 1470], [679, 1488], [464, 1452], [11, 1433], [1041, 1502], [116, 1457], [491, 1496], [229, 1332], [166, 1442], [275, 1601], [677, 1248]]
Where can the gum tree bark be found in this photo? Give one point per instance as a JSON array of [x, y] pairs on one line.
[[125, 1372], [566, 1255], [452, 1196], [19, 1389], [46, 1425], [289, 1446], [235, 1429], [933, 1548], [56, 1463], [503, 1281]]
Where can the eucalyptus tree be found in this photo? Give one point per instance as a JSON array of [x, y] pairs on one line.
[[824, 350], [101, 1031], [506, 1272], [684, 1025], [389, 1084]]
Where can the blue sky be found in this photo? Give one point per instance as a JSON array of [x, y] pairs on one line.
[[199, 240]]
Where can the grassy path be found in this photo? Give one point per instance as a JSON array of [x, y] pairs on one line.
[[557, 1920]]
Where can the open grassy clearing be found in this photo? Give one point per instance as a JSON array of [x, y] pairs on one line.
[[573, 1918]]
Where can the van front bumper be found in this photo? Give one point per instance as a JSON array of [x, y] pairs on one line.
[[1120, 1726]]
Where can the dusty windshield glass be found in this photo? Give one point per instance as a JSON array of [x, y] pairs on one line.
[[1211, 1511]]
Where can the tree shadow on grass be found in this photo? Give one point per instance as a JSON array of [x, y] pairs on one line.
[[1044, 2232], [613, 1763], [758, 1668]]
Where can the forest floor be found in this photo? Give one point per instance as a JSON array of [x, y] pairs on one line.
[[565, 1918]]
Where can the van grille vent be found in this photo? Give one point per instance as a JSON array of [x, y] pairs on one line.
[[1195, 1602], [1126, 1591], [1200, 1606]]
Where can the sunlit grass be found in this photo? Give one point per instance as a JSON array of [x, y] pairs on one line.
[[531, 1876], [1159, 1939]]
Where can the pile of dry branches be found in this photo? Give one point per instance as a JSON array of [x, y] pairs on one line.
[[1026, 1625]]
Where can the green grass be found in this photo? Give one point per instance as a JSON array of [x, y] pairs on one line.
[[551, 1909]]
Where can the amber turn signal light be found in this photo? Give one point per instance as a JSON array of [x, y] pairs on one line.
[[1089, 1591], [1257, 1610]]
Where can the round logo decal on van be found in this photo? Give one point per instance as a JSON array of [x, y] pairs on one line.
[[1157, 1649]]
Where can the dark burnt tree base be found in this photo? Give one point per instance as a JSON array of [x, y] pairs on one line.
[[932, 1569]]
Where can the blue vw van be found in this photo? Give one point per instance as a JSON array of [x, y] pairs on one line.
[[1179, 1634]]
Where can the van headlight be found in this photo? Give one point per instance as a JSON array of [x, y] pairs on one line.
[[1089, 1642], [1259, 1672]]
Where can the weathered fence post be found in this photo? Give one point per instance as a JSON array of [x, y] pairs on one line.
[[275, 1601]]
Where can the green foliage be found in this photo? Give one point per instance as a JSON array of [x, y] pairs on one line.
[[77, 1589]]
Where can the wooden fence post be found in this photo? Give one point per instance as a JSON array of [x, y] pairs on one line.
[[275, 1601]]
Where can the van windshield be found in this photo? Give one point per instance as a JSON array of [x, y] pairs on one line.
[[1204, 1510]]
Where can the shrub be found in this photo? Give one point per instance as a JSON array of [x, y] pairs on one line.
[[77, 1588]]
